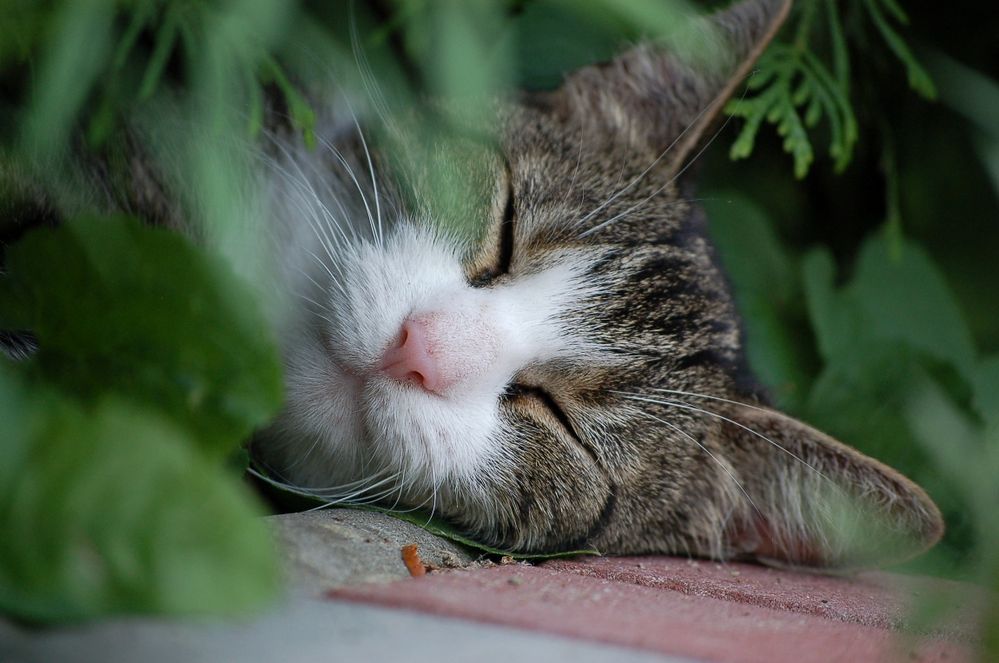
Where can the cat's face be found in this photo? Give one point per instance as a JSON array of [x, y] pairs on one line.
[[566, 378]]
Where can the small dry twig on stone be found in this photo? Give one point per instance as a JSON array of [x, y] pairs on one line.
[[411, 558]]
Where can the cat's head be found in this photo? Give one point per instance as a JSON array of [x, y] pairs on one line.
[[574, 375]]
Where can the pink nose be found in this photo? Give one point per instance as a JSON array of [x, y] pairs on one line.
[[411, 358]]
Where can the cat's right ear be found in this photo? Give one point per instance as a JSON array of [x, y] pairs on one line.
[[656, 99], [814, 501]]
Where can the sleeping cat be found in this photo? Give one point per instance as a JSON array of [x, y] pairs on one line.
[[571, 373], [573, 376]]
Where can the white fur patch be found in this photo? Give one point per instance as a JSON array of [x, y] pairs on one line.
[[344, 419]]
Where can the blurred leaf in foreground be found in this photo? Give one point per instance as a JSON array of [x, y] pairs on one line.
[[154, 363], [108, 509], [967, 452], [77, 49], [141, 312]]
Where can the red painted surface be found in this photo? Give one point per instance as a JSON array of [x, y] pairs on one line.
[[675, 609], [885, 600]]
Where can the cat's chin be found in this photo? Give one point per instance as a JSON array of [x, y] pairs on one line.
[[430, 438]]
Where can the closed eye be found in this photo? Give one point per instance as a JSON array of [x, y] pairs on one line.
[[539, 395], [505, 254]]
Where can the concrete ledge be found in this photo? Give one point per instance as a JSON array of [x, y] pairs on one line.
[[883, 600], [336, 547], [588, 608], [560, 598]]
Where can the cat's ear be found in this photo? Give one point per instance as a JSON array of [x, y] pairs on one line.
[[818, 502], [657, 98]]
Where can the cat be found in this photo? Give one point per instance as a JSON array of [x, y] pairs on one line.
[[574, 377], [571, 375]]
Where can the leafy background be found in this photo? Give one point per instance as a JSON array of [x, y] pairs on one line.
[[852, 191]]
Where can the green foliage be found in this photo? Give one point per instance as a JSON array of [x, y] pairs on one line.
[[794, 89], [154, 364], [109, 508], [791, 78], [769, 292], [901, 300], [898, 373], [919, 80], [80, 48], [91, 312], [96, 49]]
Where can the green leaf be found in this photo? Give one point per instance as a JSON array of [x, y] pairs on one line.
[[860, 397], [958, 449], [919, 80], [795, 79], [542, 62], [166, 37], [595, 31], [106, 509], [302, 115], [140, 18], [744, 142], [141, 312], [843, 124], [898, 298], [766, 283], [907, 300], [834, 325], [78, 48], [986, 392], [841, 55]]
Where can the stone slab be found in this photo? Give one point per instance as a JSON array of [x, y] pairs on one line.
[[305, 631], [331, 548], [884, 600], [571, 604]]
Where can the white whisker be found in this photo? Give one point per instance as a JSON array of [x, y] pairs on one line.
[[368, 79], [350, 171], [639, 397], [371, 171], [713, 398]]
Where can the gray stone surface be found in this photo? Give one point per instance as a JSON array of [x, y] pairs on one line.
[[306, 630], [336, 547], [322, 550]]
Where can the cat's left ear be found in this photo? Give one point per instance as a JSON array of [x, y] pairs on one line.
[[656, 98]]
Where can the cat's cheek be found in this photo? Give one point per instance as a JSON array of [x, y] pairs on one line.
[[316, 439]]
